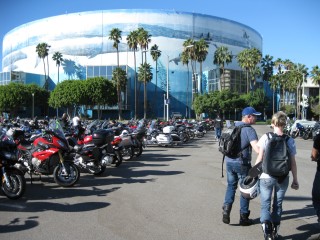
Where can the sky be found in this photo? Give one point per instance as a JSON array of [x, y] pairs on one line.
[[290, 28]]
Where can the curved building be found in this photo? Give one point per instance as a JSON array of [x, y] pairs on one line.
[[83, 40]]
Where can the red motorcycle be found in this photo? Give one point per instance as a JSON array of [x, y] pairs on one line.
[[48, 154]]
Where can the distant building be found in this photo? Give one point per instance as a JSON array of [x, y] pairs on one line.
[[83, 40]]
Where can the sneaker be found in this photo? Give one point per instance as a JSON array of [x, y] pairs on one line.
[[267, 230]]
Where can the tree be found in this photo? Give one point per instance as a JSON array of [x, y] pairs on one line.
[[115, 36], [57, 56], [222, 56], [188, 56], [315, 74], [14, 96], [132, 40], [145, 75], [274, 83], [185, 61], [99, 91], [144, 38], [201, 52], [267, 67], [119, 77], [155, 54], [43, 51], [248, 60], [90, 92]]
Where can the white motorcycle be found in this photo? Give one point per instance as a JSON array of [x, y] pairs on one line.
[[156, 137]]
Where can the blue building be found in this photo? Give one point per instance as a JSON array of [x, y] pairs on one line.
[[83, 40]]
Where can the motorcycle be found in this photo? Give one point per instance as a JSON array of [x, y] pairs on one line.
[[307, 134], [49, 154], [13, 184], [155, 137], [132, 143], [97, 152]]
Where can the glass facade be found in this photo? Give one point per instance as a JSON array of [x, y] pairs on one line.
[[83, 40]]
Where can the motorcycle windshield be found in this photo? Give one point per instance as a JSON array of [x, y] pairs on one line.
[[56, 127], [152, 126]]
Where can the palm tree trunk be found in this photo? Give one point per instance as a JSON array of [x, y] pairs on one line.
[[145, 99], [273, 101], [135, 85], [247, 81], [45, 74], [155, 89], [200, 90]]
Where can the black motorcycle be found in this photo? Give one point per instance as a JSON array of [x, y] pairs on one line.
[[307, 133], [97, 152], [13, 184]]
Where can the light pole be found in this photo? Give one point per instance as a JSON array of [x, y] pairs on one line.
[[168, 101], [32, 105]]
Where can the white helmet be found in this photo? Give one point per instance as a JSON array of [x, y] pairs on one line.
[[249, 187], [125, 133]]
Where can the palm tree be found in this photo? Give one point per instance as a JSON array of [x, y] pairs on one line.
[[144, 38], [248, 60], [222, 56], [315, 74], [189, 50], [145, 75], [267, 67], [155, 54], [132, 40], [185, 61], [274, 83], [115, 36], [119, 76], [43, 51], [57, 56], [201, 49]]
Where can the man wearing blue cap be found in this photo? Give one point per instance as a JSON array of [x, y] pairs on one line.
[[237, 168]]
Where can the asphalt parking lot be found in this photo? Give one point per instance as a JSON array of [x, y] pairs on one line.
[[167, 193]]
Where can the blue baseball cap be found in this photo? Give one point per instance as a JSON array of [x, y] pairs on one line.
[[250, 111]]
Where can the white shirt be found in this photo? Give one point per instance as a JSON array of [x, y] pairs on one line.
[[75, 121], [263, 143]]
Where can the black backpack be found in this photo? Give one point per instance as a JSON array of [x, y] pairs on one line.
[[276, 159], [230, 142]]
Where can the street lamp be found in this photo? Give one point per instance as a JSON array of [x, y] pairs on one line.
[[32, 105]]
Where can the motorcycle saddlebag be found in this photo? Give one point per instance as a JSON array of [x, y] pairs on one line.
[[102, 136]]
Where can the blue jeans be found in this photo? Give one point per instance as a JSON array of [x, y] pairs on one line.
[[236, 171], [267, 185], [316, 194], [218, 133]]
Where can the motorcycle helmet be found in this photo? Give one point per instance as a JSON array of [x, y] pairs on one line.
[[249, 187], [125, 133]]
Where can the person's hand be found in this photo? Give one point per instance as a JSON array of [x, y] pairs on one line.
[[295, 185]]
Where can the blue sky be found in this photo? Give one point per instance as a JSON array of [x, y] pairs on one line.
[[290, 28]]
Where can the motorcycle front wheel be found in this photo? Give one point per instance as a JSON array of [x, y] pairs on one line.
[[68, 176], [138, 150], [117, 159], [16, 187]]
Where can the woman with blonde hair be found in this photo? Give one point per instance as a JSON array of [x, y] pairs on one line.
[[270, 221]]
